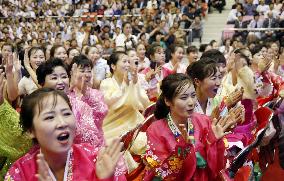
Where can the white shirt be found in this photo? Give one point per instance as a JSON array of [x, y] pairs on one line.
[[26, 86], [209, 108], [101, 69], [233, 15], [121, 38]]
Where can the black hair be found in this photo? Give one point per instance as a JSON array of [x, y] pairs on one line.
[[35, 49], [201, 69], [173, 48], [171, 86], [8, 44], [47, 68], [54, 48], [212, 42], [191, 49], [242, 55], [215, 55], [88, 48], [70, 49], [82, 61], [114, 57], [124, 24], [35, 101], [153, 48]]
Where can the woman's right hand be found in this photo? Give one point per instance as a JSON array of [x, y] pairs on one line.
[[107, 159], [234, 98], [2, 82], [43, 174]]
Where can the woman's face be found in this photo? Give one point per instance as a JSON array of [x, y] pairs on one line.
[[210, 85], [37, 57], [83, 74], [58, 79], [222, 68], [47, 51], [60, 52], [183, 104], [178, 54], [73, 53], [133, 59], [127, 30], [6, 51], [54, 126], [263, 51], [275, 47], [141, 50], [160, 56], [93, 54], [122, 65]]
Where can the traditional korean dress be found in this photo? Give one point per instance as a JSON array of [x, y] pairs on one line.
[[89, 111], [170, 157], [125, 103], [80, 165]]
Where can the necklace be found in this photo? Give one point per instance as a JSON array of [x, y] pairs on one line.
[[200, 161]]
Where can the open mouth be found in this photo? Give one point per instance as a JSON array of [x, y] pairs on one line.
[[61, 88], [215, 90], [63, 137]]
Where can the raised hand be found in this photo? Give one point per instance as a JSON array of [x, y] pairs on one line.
[[9, 64], [220, 126], [184, 132], [264, 64], [107, 159], [27, 60], [215, 113], [43, 174], [234, 98], [17, 62], [2, 82]]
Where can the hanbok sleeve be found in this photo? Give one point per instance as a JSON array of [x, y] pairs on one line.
[[130, 95], [95, 99], [214, 148], [13, 143], [111, 93]]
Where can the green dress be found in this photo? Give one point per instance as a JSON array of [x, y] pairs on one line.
[[13, 143]]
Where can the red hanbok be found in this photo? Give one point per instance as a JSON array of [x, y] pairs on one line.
[[80, 165], [169, 157]]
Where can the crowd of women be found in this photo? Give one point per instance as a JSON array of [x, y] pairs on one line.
[[72, 115], [142, 111]]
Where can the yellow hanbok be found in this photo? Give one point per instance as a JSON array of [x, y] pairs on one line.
[[126, 102]]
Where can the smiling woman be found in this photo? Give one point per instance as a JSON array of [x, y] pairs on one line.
[[183, 145], [207, 79], [46, 114]]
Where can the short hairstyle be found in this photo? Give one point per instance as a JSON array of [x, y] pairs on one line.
[[215, 55], [47, 68]]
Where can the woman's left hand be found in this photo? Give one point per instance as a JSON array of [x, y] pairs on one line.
[[107, 159], [220, 126]]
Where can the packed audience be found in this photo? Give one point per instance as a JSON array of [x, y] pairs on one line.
[[128, 97]]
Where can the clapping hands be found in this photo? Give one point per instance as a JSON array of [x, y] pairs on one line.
[[107, 159]]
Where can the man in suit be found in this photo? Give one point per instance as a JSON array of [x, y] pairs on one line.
[[142, 4], [239, 23], [256, 23], [270, 22]]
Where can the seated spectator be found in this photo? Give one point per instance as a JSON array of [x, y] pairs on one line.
[[239, 23], [233, 14], [262, 7], [126, 38], [270, 22], [255, 23], [197, 28], [249, 8]]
